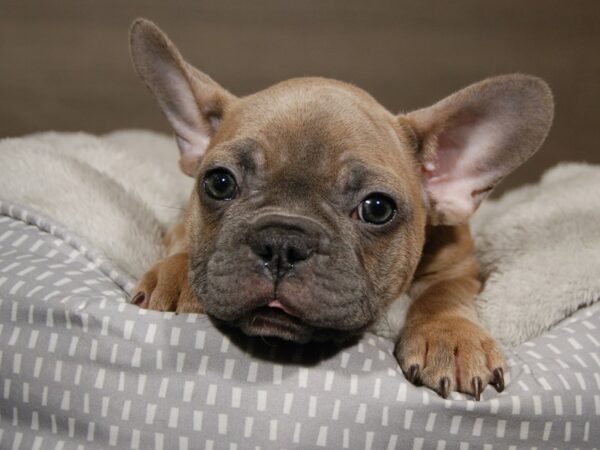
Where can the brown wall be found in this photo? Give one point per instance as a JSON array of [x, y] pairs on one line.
[[64, 64]]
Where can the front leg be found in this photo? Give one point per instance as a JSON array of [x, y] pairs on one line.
[[442, 344]]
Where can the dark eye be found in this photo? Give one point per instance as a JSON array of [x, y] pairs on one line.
[[220, 184], [377, 209]]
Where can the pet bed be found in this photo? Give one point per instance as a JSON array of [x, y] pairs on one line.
[[81, 368]]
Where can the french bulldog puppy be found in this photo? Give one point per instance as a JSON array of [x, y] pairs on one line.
[[315, 209]]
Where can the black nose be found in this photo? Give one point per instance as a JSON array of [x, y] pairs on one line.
[[280, 248]]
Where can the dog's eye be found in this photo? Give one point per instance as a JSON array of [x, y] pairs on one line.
[[377, 209], [220, 184]]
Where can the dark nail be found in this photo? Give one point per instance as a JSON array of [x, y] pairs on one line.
[[138, 299], [477, 385], [445, 387], [413, 373], [498, 382]]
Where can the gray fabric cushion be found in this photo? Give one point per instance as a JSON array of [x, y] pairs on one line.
[[80, 368]]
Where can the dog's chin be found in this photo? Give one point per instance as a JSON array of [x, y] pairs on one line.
[[268, 322], [273, 322]]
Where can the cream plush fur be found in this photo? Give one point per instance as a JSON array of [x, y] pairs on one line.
[[119, 191], [539, 249], [539, 246]]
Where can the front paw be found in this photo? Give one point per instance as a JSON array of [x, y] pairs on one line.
[[165, 287], [450, 354]]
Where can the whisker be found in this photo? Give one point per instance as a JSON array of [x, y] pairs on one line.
[[169, 206]]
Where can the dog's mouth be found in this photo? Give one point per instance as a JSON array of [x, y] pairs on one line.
[[275, 320], [278, 321]]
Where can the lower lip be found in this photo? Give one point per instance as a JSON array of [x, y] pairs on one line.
[[275, 319]]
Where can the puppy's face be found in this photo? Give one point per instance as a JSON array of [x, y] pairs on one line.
[[311, 201], [307, 217]]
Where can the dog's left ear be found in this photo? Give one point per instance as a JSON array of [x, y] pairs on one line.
[[469, 141], [193, 103]]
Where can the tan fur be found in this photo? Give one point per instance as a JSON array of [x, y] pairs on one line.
[[166, 287], [442, 344], [442, 321], [176, 239]]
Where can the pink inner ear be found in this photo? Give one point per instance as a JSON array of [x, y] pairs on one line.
[[461, 173], [453, 146], [483, 132]]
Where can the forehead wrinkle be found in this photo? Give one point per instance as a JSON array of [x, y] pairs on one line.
[[248, 154], [356, 176], [245, 153]]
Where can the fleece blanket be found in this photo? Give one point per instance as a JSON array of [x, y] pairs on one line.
[[80, 368], [539, 246]]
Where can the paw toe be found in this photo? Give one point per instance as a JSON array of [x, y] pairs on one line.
[[141, 299], [477, 387], [445, 360], [445, 387], [414, 374], [498, 379], [410, 353]]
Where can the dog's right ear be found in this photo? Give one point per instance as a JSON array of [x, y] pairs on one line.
[[192, 102]]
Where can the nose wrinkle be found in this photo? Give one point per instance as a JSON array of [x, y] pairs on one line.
[[305, 224]]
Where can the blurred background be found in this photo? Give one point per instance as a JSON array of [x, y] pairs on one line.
[[65, 65]]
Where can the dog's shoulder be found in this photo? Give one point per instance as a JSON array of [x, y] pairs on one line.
[[448, 253]]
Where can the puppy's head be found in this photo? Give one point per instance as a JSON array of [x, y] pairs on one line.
[[311, 201]]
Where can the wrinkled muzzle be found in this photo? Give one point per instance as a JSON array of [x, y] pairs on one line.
[[286, 276]]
